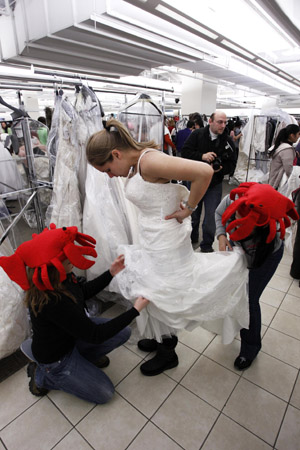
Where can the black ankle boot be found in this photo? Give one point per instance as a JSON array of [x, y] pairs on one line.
[[39, 392], [147, 345], [164, 359]]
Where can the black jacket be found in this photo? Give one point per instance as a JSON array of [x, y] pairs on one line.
[[199, 142], [62, 321]]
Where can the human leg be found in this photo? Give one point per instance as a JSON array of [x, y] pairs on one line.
[[77, 376], [92, 352], [196, 223], [251, 338], [211, 200]]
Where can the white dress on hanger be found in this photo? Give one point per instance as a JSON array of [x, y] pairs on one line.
[[185, 289]]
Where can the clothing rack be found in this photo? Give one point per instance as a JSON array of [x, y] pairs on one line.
[[252, 150], [22, 117]]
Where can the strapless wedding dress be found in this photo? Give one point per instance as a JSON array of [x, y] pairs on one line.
[[185, 288]]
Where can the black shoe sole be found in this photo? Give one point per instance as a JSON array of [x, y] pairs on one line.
[[166, 366]]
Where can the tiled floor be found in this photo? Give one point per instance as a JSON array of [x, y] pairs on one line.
[[203, 403]]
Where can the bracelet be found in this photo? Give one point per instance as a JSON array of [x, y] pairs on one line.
[[186, 205]]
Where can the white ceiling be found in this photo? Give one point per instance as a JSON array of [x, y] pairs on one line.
[[117, 38]]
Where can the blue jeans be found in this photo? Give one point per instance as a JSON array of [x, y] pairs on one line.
[[211, 200], [76, 374], [258, 280]]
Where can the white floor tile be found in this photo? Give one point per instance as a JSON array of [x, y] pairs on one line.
[[267, 313], [289, 436], [287, 323], [291, 304], [210, 381], [223, 354], [281, 346], [273, 375], [146, 393], [198, 339], [15, 397], [72, 407], [228, 435], [256, 409], [112, 426], [294, 289], [152, 438], [122, 361], [284, 271], [73, 441], [185, 418], [295, 400], [39, 427], [281, 283], [272, 297]]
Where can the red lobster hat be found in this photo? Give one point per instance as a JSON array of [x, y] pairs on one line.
[[49, 248], [258, 205]]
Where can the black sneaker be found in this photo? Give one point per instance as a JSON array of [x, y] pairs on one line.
[[242, 363], [34, 389]]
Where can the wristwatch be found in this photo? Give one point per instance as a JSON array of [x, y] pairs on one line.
[[186, 205]]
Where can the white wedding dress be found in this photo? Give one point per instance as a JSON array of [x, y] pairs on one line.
[[185, 289]]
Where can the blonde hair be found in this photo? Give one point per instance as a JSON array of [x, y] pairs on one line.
[[101, 144], [37, 299]]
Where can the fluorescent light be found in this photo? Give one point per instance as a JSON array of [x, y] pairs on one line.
[[240, 50], [183, 20], [267, 65], [285, 75]]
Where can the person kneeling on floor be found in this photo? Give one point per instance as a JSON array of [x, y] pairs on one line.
[[69, 347]]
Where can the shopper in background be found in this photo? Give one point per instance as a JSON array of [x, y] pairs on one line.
[[169, 146], [282, 156], [213, 146], [5, 127], [262, 256], [182, 136], [69, 347], [42, 131]]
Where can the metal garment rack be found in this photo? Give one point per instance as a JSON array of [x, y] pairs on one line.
[[266, 159], [34, 183]]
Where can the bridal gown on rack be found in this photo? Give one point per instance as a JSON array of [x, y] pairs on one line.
[[185, 289]]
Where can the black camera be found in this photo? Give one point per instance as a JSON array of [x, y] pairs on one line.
[[216, 164], [226, 155]]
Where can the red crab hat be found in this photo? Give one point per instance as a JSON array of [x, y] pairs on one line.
[[49, 248], [258, 205]]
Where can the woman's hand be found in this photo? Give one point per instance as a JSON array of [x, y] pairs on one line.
[[117, 265], [180, 215], [140, 303]]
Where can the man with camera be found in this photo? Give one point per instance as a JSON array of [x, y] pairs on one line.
[[212, 145]]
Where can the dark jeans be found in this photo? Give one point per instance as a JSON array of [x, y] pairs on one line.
[[258, 280], [76, 374], [210, 200]]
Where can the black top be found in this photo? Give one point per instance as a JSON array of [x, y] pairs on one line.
[[200, 142], [62, 321]]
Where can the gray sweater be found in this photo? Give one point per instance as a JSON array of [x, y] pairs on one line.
[[281, 163]]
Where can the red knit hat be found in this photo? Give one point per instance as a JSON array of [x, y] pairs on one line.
[[49, 248], [258, 205]]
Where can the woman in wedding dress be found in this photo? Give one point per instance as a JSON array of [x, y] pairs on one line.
[[185, 289]]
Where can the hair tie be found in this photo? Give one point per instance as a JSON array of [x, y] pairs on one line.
[[108, 128]]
